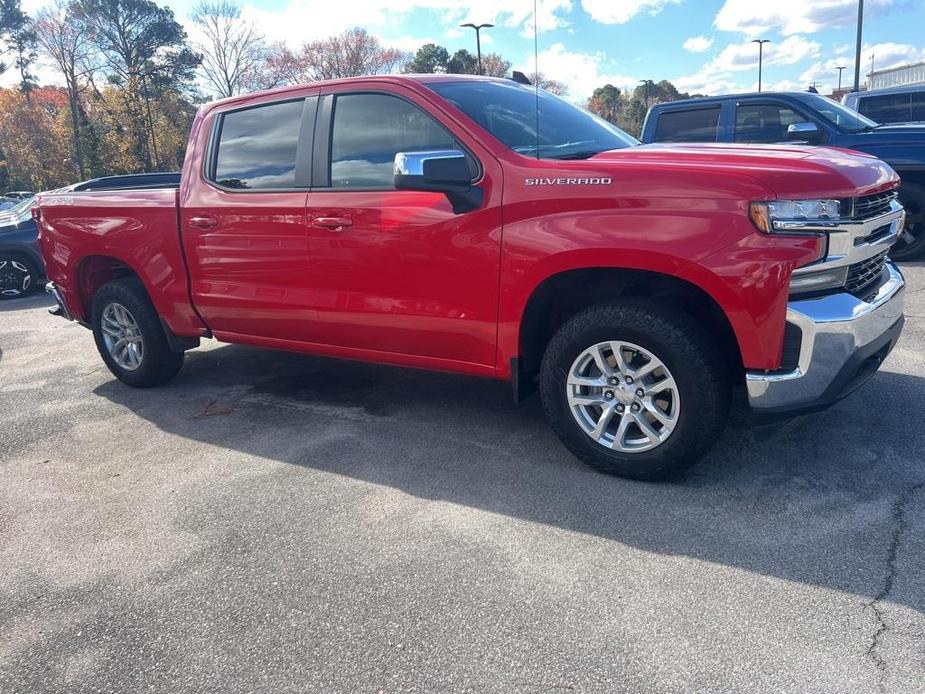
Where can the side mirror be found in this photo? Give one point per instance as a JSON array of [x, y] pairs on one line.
[[441, 171], [804, 132]]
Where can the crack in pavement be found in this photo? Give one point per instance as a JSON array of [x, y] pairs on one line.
[[898, 516]]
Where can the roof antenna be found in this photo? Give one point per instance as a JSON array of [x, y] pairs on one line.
[[536, 81]]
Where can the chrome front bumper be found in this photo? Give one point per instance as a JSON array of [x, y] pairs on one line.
[[61, 309], [844, 340]]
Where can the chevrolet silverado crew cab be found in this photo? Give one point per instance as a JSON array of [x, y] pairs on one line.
[[477, 226], [774, 117]]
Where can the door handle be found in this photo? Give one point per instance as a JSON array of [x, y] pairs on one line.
[[203, 222], [333, 223]]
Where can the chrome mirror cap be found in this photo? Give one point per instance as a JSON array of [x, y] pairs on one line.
[[412, 163]]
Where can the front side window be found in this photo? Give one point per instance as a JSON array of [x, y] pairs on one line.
[[692, 125], [257, 147], [531, 122], [766, 123], [370, 129]]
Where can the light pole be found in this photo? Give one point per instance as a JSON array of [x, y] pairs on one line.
[[760, 43], [870, 82], [857, 48], [840, 70], [478, 39], [646, 83]]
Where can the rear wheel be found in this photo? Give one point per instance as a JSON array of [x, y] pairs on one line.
[[18, 276], [635, 389], [911, 242], [129, 335]]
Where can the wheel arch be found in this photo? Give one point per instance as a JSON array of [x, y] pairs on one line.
[[92, 272], [562, 295]]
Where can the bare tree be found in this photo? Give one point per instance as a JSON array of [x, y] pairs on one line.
[[68, 44], [550, 85], [233, 51], [350, 54]]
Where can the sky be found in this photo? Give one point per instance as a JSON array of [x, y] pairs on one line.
[[702, 46]]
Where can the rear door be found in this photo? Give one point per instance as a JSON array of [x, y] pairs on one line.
[[399, 271], [244, 221], [699, 123]]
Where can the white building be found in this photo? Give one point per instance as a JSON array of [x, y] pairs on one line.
[[897, 76]]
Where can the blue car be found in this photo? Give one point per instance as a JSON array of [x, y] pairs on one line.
[[21, 265]]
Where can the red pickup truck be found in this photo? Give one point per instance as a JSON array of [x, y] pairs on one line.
[[478, 226]]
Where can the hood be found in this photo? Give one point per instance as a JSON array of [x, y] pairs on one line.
[[800, 171]]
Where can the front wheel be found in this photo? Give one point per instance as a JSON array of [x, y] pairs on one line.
[[129, 335], [911, 242], [635, 389]]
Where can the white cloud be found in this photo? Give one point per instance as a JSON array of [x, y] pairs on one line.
[[886, 55], [719, 75], [582, 73], [794, 16], [697, 44], [621, 11]]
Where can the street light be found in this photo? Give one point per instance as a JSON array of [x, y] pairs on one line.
[[840, 69], [647, 83], [478, 39], [857, 48], [760, 43]]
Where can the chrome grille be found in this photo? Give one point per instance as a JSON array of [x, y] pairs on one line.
[[875, 205], [863, 276]]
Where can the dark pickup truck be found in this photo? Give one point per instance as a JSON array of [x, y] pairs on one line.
[[775, 117]]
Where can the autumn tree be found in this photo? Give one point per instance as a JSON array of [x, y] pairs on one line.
[[37, 150], [234, 53], [607, 102], [353, 53], [493, 65], [65, 43], [145, 52]]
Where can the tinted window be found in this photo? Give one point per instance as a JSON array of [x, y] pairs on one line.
[[369, 130], [764, 122], [257, 146], [889, 108], [695, 125], [509, 112], [918, 106]]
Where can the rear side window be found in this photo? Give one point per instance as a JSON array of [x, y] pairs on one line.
[[370, 129], [695, 125], [765, 123], [257, 147], [889, 108]]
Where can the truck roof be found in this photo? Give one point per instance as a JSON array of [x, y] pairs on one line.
[[415, 79], [742, 95]]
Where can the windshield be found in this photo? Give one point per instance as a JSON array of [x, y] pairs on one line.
[[839, 115], [508, 111]]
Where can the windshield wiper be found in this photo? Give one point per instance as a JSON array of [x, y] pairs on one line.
[[583, 154]]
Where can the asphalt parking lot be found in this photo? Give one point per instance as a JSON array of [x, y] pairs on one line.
[[272, 522]]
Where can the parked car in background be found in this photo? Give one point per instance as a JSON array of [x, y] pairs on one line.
[[21, 266], [780, 117], [7, 203], [20, 194], [891, 105], [477, 226]]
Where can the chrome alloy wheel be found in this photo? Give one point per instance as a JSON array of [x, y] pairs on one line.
[[122, 336], [15, 277], [623, 397]]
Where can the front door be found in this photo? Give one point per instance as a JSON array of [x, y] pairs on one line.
[[396, 271], [244, 223]]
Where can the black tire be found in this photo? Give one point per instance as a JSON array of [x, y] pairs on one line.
[[158, 363], [686, 350], [19, 276], [911, 243]]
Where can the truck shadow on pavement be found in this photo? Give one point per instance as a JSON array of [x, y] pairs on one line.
[[827, 501]]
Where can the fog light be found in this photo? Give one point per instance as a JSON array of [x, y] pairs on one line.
[[806, 282]]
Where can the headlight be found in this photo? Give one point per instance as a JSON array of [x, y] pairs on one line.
[[794, 216]]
